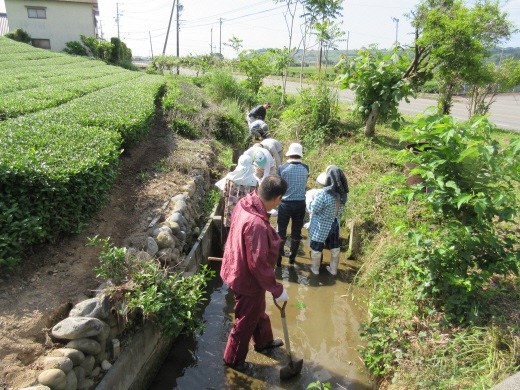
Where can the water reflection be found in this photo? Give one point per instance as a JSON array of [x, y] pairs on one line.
[[323, 327]]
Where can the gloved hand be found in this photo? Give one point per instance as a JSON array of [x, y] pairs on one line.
[[284, 297]]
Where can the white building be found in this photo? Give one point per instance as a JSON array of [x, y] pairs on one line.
[[52, 23]]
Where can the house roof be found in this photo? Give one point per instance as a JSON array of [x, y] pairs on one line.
[[4, 28]]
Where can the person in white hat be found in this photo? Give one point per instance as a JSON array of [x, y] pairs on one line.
[[263, 162], [292, 207], [325, 210], [235, 185]]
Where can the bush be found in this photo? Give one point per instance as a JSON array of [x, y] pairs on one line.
[[226, 123], [185, 128], [19, 35], [75, 48], [314, 116], [220, 85]]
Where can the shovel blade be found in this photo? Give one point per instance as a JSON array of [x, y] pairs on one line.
[[292, 369]]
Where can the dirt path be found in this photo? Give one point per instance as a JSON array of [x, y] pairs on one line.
[[55, 276]]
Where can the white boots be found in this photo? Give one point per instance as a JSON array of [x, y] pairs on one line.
[[315, 262], [334, 260]]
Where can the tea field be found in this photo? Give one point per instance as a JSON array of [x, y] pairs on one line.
[[63, 123]]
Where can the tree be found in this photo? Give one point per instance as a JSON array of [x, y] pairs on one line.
[[453, 40], [492, 80], [256, 66], [285, 56], [328, 33], [235, 43], [378, 82], [318, 11]]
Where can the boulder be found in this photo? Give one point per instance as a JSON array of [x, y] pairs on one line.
[[54, 378], [165, 240], [72, 328], [88, 364], [61, 362], [98, 307], [72, 381], [85, 345], [76, 356], [152, 247]]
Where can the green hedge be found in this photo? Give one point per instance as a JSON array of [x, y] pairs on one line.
[[51, 180], [58, 162]]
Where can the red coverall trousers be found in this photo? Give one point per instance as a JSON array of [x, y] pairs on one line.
[[250, 321]]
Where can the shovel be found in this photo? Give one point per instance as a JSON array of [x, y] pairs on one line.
[[294, 367]]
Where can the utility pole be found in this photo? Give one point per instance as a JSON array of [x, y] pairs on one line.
[[168, 31], [151, 47], [211, 42], [396, 20], [348, 37], [220, 39], [117, 18], [178, 29]]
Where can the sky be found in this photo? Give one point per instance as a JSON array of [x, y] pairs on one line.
[[258, 23]]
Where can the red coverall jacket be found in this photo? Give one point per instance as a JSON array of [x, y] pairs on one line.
[[251, 250]]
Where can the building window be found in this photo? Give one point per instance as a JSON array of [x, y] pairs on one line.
[[41, 43], [37, 13]]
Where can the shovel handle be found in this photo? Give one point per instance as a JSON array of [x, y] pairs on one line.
[[281, 308]]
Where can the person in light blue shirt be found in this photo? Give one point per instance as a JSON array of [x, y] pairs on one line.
[[292, 208], [326, 209]]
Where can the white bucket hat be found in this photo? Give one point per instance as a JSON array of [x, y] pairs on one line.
[[295, 149], [323, 179]]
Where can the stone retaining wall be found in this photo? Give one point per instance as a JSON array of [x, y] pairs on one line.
[[91, 352]]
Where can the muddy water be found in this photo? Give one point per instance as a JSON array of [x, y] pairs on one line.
[[323, 318]]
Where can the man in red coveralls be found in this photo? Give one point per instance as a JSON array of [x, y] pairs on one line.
[[248, 265]]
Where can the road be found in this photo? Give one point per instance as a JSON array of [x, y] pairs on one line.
[[505, 112]]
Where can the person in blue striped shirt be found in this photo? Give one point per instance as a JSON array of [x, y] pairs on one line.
[[326, 209], [292, 207]]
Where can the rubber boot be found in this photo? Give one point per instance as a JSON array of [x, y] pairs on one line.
[[294, 250], [334, 260], [280, 254], [315, 262]]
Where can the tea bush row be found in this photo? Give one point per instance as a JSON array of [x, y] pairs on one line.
[[57, 165]]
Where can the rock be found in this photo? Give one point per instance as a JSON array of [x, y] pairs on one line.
[[174, 226], [88, 364], [76, 356], [180, 206], [137, 241], [100, 290], [72, 328], [54, 378], [87, 384], [37, 387], [98, 307], [165, 240], [143, 256], [160, 229], [100, 357], [80, 375], [105, 365], [179, 218], [116, 348], [190, 188], [72, 381], [87, 346], [61, 362], [165, 255], [177, 197], [96, 371], [196, 231], [152, 247], [181, 235]]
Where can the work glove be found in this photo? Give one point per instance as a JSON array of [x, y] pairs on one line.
[[284, 297]]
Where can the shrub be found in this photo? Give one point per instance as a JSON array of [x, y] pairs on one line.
[[220, 85], [313, 118], [226, 123], [19, 35], [185, 128], [75, 48]]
